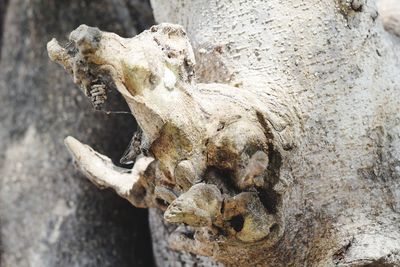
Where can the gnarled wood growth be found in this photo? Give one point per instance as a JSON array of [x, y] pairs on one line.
[[261, 166], [210, 154]]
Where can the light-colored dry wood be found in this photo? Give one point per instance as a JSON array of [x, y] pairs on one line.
[[279, 147]]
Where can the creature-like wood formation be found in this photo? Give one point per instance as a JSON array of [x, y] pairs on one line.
[[209, 154]]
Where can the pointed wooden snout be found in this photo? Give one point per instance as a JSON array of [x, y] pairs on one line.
[[102, 172], [197, 207]]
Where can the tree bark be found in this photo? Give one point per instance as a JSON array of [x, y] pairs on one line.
[[49, 215], [283, 151], [340, 68]]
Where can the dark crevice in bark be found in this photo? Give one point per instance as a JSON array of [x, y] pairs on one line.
[[222, 179], [269, 198], [339, 255], [237, 223]]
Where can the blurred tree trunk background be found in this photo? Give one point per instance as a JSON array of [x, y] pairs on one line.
[[49, 214]]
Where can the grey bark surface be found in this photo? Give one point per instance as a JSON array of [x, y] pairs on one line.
[[342, 69], [49, 215]]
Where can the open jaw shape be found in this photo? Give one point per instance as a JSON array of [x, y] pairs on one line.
[[209, 155]]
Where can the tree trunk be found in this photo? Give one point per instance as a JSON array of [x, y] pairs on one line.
[[282, 151], [49, 215], [339, 69]]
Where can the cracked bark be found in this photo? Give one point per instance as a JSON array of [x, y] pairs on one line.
[[283, 151]]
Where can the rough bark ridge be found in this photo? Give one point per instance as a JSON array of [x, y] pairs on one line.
[[49, 215], [290, 159]]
